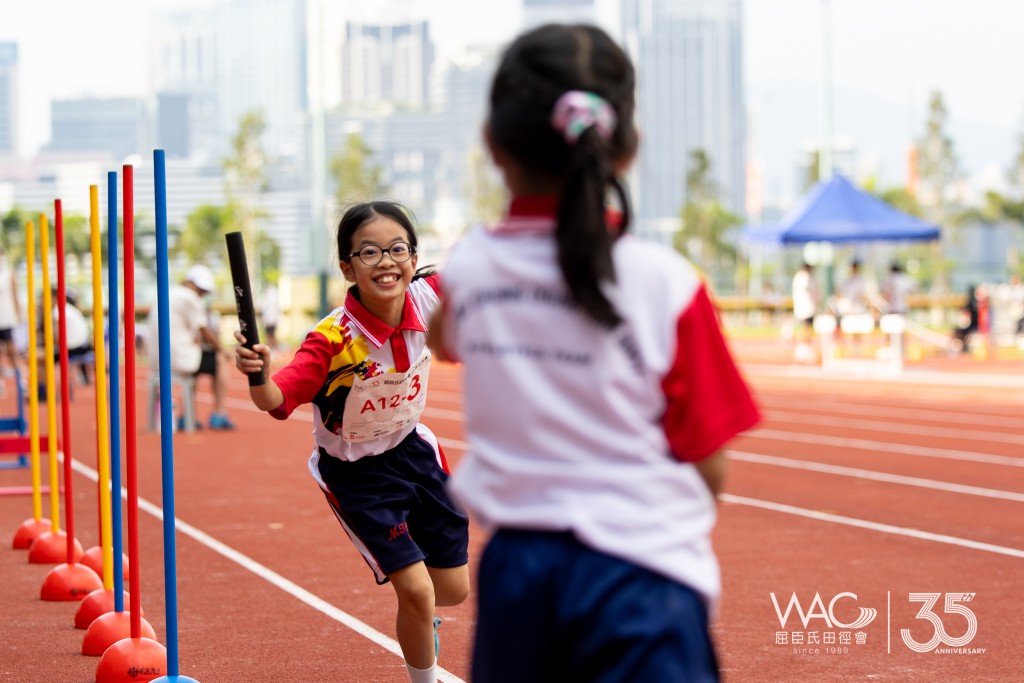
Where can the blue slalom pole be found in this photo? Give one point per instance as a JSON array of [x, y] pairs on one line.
[[166, 419], [113, 325]]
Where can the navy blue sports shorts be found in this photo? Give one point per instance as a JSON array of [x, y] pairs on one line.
[[553, 610], [395, 508]]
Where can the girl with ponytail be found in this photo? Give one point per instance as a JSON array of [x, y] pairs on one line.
[[598, 389]]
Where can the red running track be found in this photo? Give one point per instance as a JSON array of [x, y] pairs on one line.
[[875, 488]]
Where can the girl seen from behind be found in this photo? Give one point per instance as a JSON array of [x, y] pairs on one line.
[[598, 391]]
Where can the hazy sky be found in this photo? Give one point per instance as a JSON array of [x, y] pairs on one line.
[[887, 55]]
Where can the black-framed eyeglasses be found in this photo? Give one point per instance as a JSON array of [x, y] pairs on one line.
[[400, 252]]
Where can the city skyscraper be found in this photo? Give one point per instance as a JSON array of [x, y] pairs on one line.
[[115, 126], [386, 63], [183, 76], [8, 98], [261, 67], [689, 60]]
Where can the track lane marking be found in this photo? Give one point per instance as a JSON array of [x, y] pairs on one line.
[[791, 463], [871, 526], [884, 447], [894, 427]]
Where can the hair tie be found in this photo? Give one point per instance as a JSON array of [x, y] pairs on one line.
[[576, 111]]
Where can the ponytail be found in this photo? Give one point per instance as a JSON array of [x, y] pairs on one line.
[[583, 237]]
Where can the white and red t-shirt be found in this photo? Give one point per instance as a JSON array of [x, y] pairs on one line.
[[575, 427], [365, 379]]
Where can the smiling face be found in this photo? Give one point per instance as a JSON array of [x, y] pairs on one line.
[[381, 286]]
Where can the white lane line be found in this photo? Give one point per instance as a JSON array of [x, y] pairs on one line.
[[958, 379], [871, 526], [890, 411], [272, 577], [875, 476], [884, 447], [895, 427]]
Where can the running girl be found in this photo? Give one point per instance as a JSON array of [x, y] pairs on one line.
[[364, 369]]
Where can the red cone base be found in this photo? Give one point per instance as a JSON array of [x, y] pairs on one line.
[[52, 548], [69, 582], [110, 628], [29, 531], [132, 660], [96, 604], [93, 559]]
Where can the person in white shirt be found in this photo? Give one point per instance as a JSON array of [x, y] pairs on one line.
[[805, 305], [189, 330], [896, 290], [10, 312], [598, 390]]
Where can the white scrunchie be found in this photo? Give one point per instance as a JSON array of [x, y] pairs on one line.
[[577, 110]]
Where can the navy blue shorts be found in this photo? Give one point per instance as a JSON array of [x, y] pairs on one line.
[[395, 508], [553, 610]]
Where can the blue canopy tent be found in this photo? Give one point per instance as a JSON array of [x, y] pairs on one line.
[[836, 211]]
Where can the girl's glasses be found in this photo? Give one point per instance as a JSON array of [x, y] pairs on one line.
[[400, 252]]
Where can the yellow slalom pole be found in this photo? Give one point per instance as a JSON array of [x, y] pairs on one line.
[[33, 372], [51, 403], [102, 439]]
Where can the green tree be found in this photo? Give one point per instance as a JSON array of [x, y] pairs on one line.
[[204, 231], [13, 225], [246, 178], [706, 225], [356, 175], [938, 168]]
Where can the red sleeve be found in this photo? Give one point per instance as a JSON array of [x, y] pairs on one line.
[[707, 402], [302, 379]]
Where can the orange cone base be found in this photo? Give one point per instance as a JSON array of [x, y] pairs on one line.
[[131, 660], [67, 582], [96, 604], [110, 628], [52, 548], [93, 559], [29, 530], [175, 679]]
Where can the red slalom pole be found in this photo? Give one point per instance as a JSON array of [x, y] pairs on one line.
[[131, 460], [70, 581]]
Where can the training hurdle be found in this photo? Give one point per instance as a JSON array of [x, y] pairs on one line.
[[31, 528], [113, 627], [71, 580], [49, 546], [136, 652], [100, 557]]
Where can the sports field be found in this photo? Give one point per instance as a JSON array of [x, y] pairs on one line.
[[853, 505]]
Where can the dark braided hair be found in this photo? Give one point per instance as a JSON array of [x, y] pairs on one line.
[[535, 71]]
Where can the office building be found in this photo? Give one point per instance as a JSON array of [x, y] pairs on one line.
[[689, 60], [8, 99]]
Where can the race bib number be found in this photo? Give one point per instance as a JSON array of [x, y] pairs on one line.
[[387, 403]]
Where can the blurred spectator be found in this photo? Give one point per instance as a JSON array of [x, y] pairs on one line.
[[805, 305], [10, 314], [1017, 303], [195, 346], [967, 321], [896, 290]]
